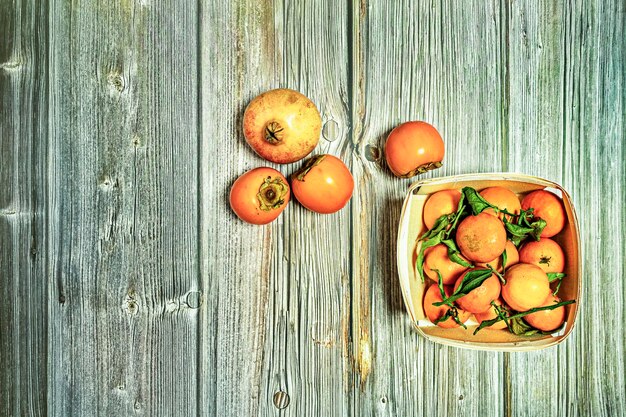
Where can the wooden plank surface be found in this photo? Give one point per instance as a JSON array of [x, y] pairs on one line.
[[236, 267], [124, 203], [536, 58], [279, 310], [130, 287], [417, 62], [567, 119], [23, 209]]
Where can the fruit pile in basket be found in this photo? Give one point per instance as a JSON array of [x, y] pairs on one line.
[[491, 256]]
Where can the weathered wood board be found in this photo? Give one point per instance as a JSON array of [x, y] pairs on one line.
[[129, 286]]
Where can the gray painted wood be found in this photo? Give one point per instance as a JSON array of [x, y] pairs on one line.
[[130, 287], [575, 57], [124, 209], [418, 62], [23, 209], [280, 305]]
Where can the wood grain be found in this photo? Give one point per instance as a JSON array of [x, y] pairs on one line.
[[280, 301], [594, 166], [537, 57], [124, 203], [130, 287], [236, 257], [23, 209], [417, 62], [310, 269], [567, 118]]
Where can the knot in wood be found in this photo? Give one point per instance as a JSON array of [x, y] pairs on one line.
[[117, 81]]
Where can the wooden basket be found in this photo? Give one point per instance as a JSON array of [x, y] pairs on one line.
[[412, 226]]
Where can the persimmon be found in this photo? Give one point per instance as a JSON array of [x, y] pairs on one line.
[[259, 195], [324, 184], [440, 203], [503, 198], [437, 258], [512, 257], [545, 253], [547, 320], [548, 207], [433, 295], [479, 299], [490, 314], [282, 125], [481, 238], [413, 148], [526, 287]]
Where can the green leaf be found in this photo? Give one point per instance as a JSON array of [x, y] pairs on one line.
[[524, 215], [453, 253], [440, 225], [521, 328], [440, 284], [517, 241], [452, 313], [504, 262], [471, 280], [487, 323], [419, 262], [476, 201], [553, 276], [517, 230], [538, 225]]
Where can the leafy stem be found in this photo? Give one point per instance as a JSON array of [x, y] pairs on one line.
[[554, 276], [496, 273], [440, 284], [452, 313], [471, 280], [419, 262], [454, 254], [504, 262], [487, 323]]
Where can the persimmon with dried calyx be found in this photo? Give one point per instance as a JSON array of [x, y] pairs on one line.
[[282, 125], [324, 184], [259, 195], [413, 148]]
